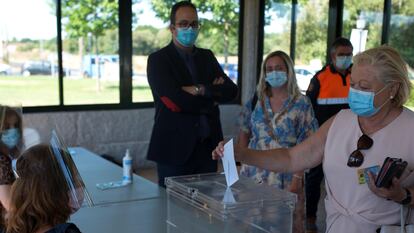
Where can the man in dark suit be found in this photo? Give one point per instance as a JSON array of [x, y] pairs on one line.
[[187, 84]]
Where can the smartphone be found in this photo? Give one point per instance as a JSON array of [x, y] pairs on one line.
[[392, 167]]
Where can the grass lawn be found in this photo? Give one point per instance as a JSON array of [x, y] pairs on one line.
[[43, 91]]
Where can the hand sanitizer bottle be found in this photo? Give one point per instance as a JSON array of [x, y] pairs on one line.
[[127, 168]]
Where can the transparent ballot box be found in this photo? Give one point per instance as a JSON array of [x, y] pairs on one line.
[[203, 203]]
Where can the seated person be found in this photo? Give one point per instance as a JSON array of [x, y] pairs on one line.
[[40, 197], [10, 144]]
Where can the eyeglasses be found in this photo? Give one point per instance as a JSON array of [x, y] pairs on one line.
[[185, 24], [356, 158]]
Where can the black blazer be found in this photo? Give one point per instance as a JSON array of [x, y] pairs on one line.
[[177, 113]]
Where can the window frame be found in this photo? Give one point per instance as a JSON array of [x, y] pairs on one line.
[[335, 24], [125, 66]]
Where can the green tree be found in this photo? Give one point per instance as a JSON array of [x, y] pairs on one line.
[[401, 31], [277, 40], [371, 11], [311, 31], [220, 26], [89, 17], [144, 40]]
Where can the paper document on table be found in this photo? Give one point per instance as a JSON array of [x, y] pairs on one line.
[[111, 185], [229, 164]]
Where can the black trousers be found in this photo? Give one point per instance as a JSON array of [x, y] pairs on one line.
[[200, 162], [313, 190]]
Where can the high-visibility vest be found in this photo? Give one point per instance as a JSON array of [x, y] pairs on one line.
[[332, 88]]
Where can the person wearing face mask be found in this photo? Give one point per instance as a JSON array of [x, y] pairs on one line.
[[353, 142], [10, 148], [187, 84], [281, 118], [328, 92]]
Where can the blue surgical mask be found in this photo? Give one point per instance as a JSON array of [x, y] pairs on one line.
[[276, 78], [10, 137], [343, 62], [362, 102], [187, 36]]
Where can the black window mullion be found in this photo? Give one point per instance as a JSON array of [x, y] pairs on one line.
[[260, 40], [386, 21], [59, 50], [335, 19], [293, 29], [125, 52], [240, 49]]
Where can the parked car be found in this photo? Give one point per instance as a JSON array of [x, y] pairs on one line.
[[5, 69], [36, 68], [303, 76], [231, 71]]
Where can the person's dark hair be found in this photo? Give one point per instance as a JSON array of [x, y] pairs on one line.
[[177, 6], [340, 41]]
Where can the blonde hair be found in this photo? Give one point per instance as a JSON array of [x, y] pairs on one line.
[[263, 88], [391, 68]]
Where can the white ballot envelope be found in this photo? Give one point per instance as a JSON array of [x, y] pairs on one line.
[[228, 196], [229, 164]]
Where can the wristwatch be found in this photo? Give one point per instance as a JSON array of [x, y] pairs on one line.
[[197, 90], [407, 199]]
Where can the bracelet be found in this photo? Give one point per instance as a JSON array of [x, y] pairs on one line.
[[297, 176]]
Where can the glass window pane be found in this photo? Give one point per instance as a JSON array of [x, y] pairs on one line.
[[28, 53], [402, 34], [277, 26], [220, 32], [362, 23], [90, 52], [150, 33], [311, 37]]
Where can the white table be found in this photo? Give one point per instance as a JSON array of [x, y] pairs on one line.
[[139, 208], [95, 169], [147, 216]]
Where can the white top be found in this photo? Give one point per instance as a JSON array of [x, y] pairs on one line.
[[350, 206]]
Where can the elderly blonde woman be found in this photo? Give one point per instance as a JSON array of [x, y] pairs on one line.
[[379, 88], [279, 116]]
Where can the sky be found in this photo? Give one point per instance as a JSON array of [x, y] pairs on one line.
[[26, 19], [35, 20]]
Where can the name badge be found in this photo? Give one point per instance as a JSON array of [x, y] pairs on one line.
[[362, 173]]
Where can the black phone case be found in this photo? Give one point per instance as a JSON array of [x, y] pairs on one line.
[[391, 168]]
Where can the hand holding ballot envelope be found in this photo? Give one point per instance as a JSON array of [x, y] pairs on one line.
[[229, 164]]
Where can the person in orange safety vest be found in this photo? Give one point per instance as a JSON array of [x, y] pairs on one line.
[[328, 92]]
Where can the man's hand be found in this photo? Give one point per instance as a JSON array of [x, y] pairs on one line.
[[218, 81], [193, 90]]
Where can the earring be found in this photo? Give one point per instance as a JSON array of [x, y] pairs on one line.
[[391, 97]]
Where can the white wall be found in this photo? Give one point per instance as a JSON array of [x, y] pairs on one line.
[[112, 132]]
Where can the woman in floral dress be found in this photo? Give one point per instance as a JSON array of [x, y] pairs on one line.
[[278, 116]]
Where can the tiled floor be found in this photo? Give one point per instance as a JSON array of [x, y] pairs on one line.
[[151, 174]]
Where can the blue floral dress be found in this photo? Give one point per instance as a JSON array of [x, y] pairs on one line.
[[295, 122]]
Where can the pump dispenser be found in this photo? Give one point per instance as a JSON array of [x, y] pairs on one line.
[[127, 168]]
